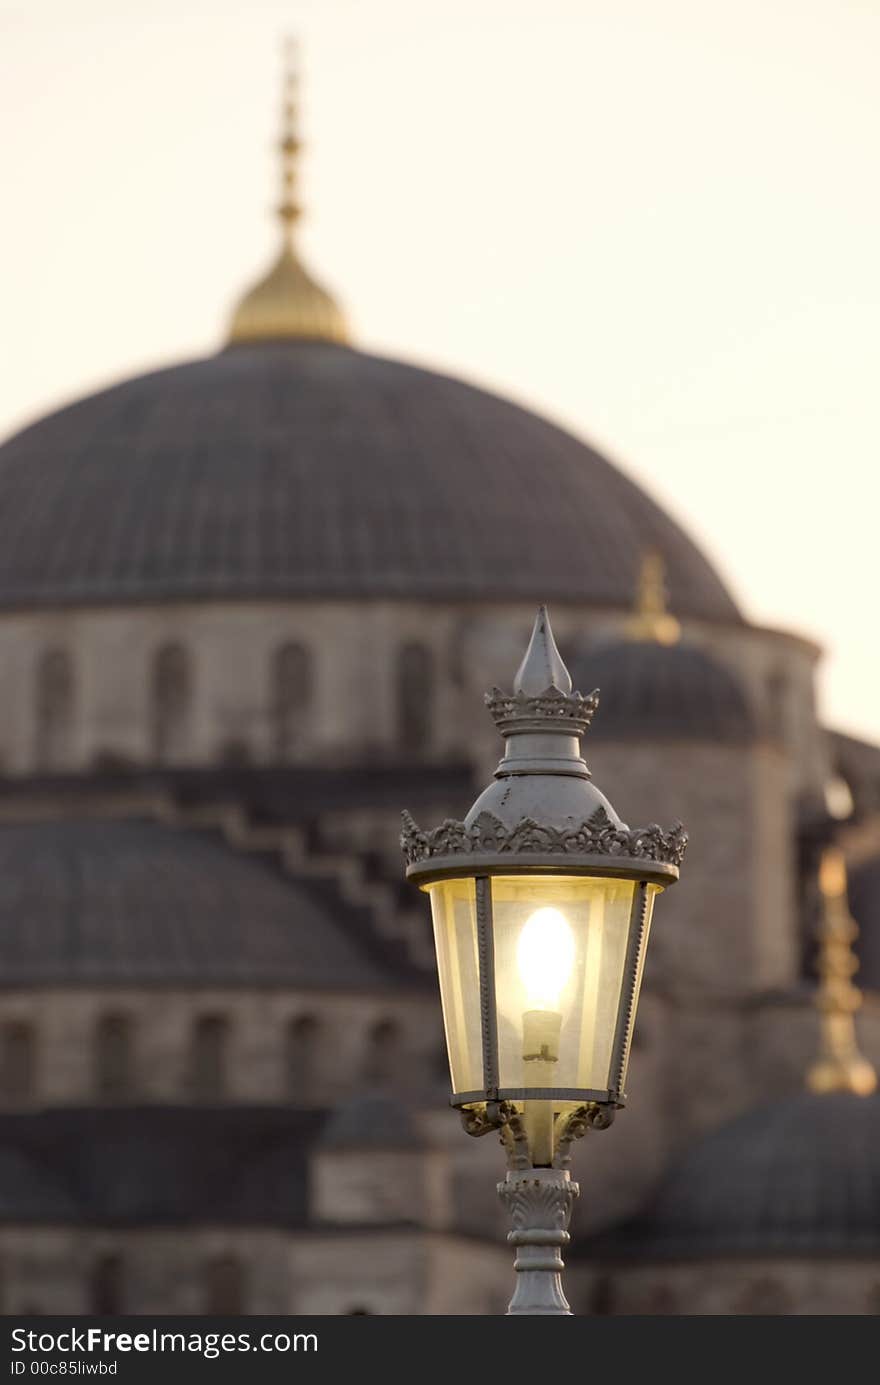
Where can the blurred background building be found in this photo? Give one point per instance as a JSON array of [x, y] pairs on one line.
[[248, 609]]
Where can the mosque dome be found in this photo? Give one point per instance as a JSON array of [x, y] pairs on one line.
[[653, 685], [125, 901], [306, 468], [796, 1178], [292, 465], [372, 1120], [864, 894], [664, 692]]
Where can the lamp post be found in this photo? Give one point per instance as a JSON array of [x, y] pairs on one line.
[[541, 901]]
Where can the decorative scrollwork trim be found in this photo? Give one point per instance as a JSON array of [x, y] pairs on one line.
[[599, 836], [503, 1117], [573, 1125]]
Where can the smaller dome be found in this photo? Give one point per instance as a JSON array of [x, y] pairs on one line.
[[136, 902], [29, 1190], [287, 304], [663, 692], [864, 900], [370, 1122], [797, 1178]]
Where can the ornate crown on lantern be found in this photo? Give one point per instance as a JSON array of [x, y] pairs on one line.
[[542, 697], [586, 835]]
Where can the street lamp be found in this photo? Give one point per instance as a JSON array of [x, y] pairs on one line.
[[541, 901]]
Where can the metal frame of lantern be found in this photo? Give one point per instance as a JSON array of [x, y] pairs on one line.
[[541, 820], [594, 848]]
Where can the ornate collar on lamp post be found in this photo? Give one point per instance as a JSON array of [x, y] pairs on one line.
[[541, 900]]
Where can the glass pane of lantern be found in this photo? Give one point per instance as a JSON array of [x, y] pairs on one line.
[[560, 952], [651, 893], [453, 907]]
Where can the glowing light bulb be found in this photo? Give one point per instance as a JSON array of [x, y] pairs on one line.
[[545, 957]]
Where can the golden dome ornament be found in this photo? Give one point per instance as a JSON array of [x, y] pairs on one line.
[[287, 304], [840, 1066]]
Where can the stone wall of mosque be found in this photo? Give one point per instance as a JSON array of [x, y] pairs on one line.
[[77, 1270], [69, 1046], [323, 681], [775, 1286], [401, 1272], [378, 1269], [729, 926]]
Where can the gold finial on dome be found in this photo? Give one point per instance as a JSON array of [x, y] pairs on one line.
[[289, 210], [287, 304], [840, 1067], [651, 620]]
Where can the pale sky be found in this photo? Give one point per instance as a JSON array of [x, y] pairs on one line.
[[656, 223]]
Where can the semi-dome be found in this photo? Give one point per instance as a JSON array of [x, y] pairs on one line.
[[307, 468], [797, 1178], [372, 1120], [664, 692], [128, 901], [864, 896]]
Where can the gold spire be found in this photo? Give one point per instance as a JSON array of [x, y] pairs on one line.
[[840, 1066], [651, 620], [288, 304], [289, 210]]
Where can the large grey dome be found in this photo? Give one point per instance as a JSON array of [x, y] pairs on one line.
[[137, 902], [864, 898], [309, 469], [798, 1177]]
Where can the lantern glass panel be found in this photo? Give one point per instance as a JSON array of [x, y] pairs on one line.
[[561, 945], [454, 911]]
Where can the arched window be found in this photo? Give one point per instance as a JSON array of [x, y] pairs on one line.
[[234, 754], [291, 699], [171, 704], [602, 1297], [114, 1058], [17, 1065], [210, 1058], [661, 1302], [224, 1286], [415, 695], [106, 1286], [54, 709], [383, 1055], [302, 1046], [777, 704], [839, 798]]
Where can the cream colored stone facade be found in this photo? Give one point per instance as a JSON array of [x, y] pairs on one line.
[[229, 649]]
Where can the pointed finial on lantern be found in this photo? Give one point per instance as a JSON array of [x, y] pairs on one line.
[[542, 667], [542, 698], [651, 620], [840, 1067]]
